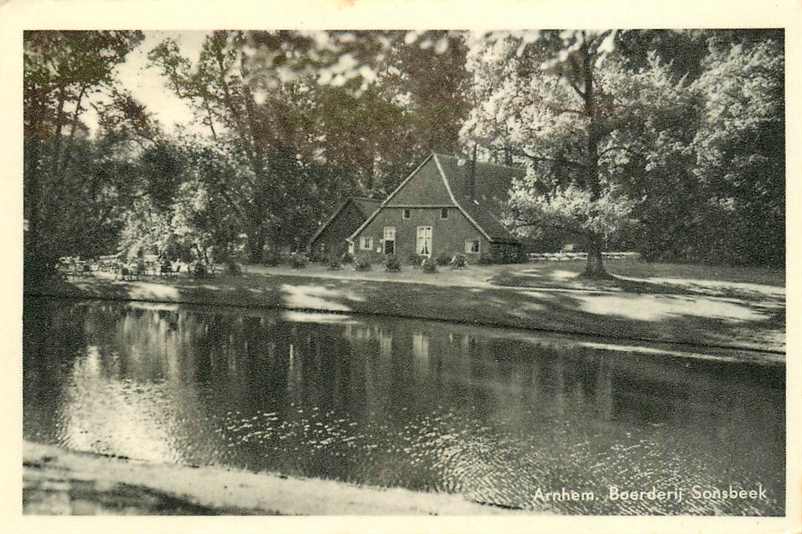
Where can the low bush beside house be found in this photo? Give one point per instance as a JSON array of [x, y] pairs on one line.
[[362, 264], [443, 259], [233, 268], [334, 265], [347, 258], [459, 261], [272, 260], [166, 268], [429, 266], [298, 261], [415, 260], [392, 263], [199, 270]]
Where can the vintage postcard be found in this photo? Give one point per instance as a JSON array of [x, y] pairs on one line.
[[529, 266]]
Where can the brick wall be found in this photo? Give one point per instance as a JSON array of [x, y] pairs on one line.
[[448, 235]]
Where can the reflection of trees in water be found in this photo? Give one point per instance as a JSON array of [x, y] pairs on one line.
[[258, 359], [52, 337], [383, 375]]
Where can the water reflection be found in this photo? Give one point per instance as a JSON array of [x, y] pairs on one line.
[[423, 405]]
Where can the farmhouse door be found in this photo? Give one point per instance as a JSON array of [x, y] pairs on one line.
[[389, 239], [424, 242]]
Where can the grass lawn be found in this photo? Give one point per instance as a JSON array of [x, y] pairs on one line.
[[635, 276], [694, 319]]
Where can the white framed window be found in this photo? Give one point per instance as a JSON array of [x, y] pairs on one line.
[[365, 243], [473, 246], [405, 213], [423, 244], [389, 239], [444, 213]]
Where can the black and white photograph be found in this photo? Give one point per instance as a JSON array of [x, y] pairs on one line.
[[403, 272]]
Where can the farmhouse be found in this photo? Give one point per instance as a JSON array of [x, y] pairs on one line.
[[447, 205], [330, 239]]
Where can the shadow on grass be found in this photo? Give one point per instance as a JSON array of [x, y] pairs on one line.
[[564, 279], [686, 318]]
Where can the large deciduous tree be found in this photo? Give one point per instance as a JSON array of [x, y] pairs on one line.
[[618, 128], [63, 72], [553, 100], [740, 147], [312, 118]]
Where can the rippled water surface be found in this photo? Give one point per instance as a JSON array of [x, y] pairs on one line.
[[501, 417]]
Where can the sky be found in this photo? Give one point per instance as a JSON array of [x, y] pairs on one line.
[[149, 87]]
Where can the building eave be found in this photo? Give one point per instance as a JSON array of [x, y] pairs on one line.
[[328, 222]]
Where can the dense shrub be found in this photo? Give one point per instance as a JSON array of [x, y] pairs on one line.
[[392, 263], [347, 258], [199, 270], [485, 259], [298, 261], [334, 265], [233, 268], [362, 264], [429, 266], [459, 261], [272, 259], [443, 259]]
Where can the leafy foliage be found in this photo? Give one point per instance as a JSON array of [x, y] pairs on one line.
[[623, 144], [392, 263], [671, 142], [442, 259], [459, 262], [428, 265], [74, 187], [298, 261], [362, 263]]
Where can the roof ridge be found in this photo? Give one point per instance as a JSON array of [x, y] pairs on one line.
[[454, 156]]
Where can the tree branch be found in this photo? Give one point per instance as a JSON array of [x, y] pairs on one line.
[[553, 160], [554, 225], [557, 109], [617, 147]]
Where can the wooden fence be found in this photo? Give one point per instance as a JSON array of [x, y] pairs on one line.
[[568, 256]]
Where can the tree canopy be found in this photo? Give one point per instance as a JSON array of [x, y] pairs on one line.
[[667, 142]]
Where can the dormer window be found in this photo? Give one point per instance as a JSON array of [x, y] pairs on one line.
[[405, 213], [444, 213]]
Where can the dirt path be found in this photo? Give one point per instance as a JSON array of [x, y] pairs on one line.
[[61, 482]]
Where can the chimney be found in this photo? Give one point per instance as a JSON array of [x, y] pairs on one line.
[[472, 175]]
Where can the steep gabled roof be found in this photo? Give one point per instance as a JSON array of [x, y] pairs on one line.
[[491, 185], [366, 206], [491, 189], [389, 197]]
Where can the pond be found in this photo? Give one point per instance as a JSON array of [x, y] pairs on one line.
[[503, 417]]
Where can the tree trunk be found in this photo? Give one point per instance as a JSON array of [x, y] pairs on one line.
[[256, 245], [595, 265]]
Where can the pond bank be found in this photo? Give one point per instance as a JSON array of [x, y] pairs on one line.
[[57, 481], [698, 323]]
